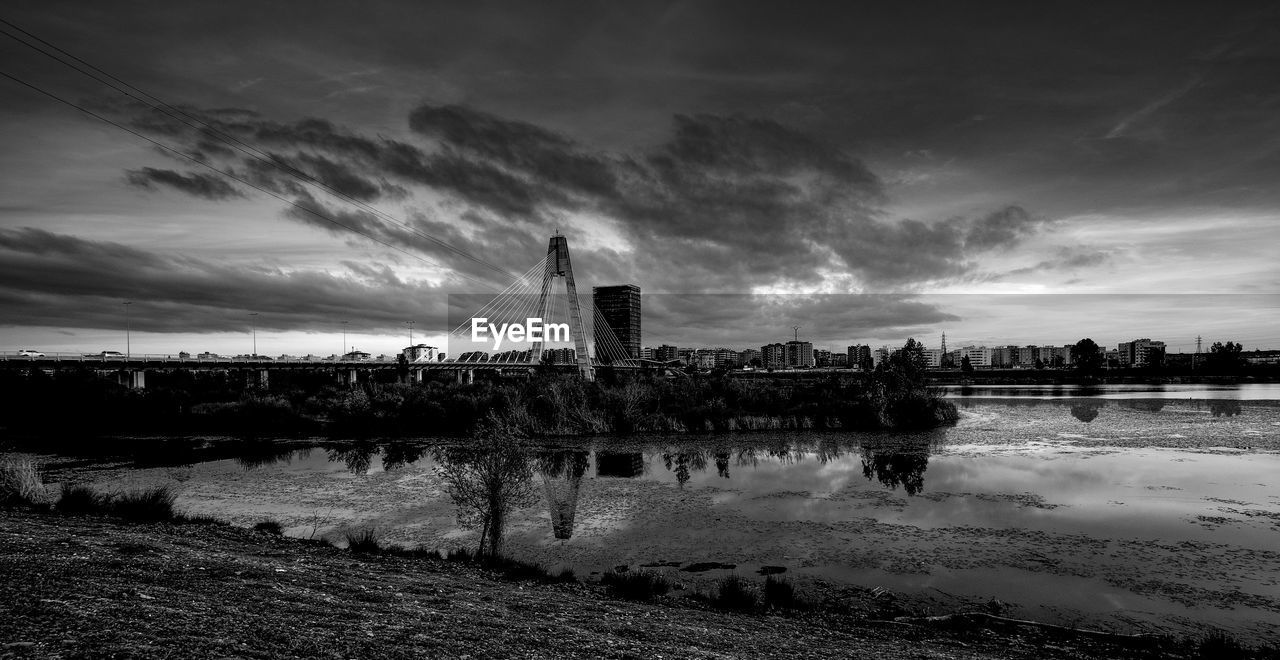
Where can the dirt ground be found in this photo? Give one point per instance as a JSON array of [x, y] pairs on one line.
[[100, 587]]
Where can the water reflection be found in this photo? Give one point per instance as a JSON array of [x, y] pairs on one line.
[[900, 463], [1086, 411], [627, 465], [562, 472], [1224, 408]]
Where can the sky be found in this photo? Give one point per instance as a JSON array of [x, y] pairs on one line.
[[1006, 173]]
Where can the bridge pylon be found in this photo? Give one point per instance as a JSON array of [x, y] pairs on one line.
[[559, 266]]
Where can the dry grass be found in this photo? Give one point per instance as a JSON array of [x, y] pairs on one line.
[[20, 482]]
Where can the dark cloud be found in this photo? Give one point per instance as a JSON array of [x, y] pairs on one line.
[[207, 186], [725, 203], [1065, 259], [49, 279]]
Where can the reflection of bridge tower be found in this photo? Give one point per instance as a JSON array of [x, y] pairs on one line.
[[558, 265], [562, 473]]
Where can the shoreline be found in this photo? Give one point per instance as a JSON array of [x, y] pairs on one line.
[[92, 585]]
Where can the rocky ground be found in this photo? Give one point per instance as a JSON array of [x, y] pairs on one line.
[[81, 586]]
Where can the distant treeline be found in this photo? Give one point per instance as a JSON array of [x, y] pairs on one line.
[[894, 396]]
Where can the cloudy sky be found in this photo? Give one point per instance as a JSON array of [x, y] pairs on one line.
[[1003, 172]]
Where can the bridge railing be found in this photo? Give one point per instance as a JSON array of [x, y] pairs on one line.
[[173, 358]]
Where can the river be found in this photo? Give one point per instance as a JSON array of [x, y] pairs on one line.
[[1128, 508]]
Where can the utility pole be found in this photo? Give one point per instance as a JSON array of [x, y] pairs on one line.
[[1196, 358], [128, 349], [255, 333]]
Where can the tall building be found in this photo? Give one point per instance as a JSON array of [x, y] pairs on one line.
[[1140, 352], [799, 354], [821, 357], [773, 356], [859, 356], [619, 307]]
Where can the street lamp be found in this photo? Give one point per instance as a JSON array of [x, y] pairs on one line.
[[127, 344], [255, 334]]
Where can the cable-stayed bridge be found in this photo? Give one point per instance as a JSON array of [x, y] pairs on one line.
[[531, 295]]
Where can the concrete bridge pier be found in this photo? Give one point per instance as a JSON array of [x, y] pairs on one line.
[[263, 378], [132, 378], [417, 375], [466, 376]]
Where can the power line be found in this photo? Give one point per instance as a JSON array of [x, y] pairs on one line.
[[234, 142], [302, 207]]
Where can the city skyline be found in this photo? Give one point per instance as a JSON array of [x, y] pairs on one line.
[[1082, 181]]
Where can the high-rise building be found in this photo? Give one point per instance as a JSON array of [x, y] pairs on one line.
[[799, 354], [1140, 352], [821, 358], [859, 356], [773, 356], [619, 307]]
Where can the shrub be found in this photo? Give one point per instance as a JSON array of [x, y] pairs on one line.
[[269, 527], [148, 504], [779, 593], [364, 541], [81, 499], [20, 482], [636, 585], [735, 593], [1221, 646], [459, 554]]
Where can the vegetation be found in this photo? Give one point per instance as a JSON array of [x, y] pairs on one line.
[[635, 585], [269, 527], [1087, 357], [779, 593], [895, 395], [20, 482], [147, 504], [735, 593], [80, 499], [487, 480], [363, 541]]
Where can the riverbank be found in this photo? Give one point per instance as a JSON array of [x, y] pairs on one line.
[[98, 586]]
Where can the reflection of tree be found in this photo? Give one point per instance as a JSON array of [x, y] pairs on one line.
[[722, 463], [1224, 407], [396, 455], [487, 480], [899, 464], [1085, 411], [562, 472], [358, 457], [683, 462], [1148, 405]]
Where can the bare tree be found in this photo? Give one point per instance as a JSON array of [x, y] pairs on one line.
[[487, 480]]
